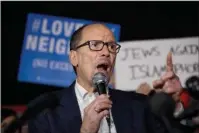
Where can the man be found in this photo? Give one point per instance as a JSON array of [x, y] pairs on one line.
[[81, 110], [7, 116]]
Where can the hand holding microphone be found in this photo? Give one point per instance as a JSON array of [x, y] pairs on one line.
[[99, 108], [94, 113]]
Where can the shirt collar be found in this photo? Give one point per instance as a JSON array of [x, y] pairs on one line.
[[81, 92]]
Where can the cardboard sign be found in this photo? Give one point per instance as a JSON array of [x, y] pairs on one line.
[[145, 61]]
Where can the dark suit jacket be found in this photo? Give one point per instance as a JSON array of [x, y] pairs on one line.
[[130, 114]]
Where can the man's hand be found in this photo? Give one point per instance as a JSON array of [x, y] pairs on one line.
[[169, 82], [144, 88], [94, 113]]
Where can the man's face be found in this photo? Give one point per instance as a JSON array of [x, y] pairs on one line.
[[90, 62]]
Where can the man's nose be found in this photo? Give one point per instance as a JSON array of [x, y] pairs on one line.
[[105, 51]]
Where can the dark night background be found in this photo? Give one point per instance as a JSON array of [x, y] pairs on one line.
[[138, 20]]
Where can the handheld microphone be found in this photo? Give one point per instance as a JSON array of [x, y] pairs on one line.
[[34, 108], [100, 82]]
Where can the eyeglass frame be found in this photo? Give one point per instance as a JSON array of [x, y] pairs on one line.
[[104, 43]]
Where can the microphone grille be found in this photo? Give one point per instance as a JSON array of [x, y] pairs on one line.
[[99, 78]]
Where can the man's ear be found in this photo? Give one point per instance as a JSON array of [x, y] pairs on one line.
[[73, 58]]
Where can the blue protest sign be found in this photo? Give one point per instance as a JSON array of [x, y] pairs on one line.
[[44, 57]]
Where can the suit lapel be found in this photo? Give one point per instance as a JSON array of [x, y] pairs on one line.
[[71, 111], [122, 116]]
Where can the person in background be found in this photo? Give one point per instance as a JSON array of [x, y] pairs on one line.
[[7, 117], [183, 102]]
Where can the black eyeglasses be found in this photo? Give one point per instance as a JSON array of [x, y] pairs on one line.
[[97, 45]]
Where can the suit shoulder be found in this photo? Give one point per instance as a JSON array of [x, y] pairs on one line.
[[57, 93], [46, 102], [44, 108], [130, 95]]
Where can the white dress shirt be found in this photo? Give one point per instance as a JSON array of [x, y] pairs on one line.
[[84, 99]]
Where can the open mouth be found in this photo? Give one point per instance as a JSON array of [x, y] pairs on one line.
[[103, 66]]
